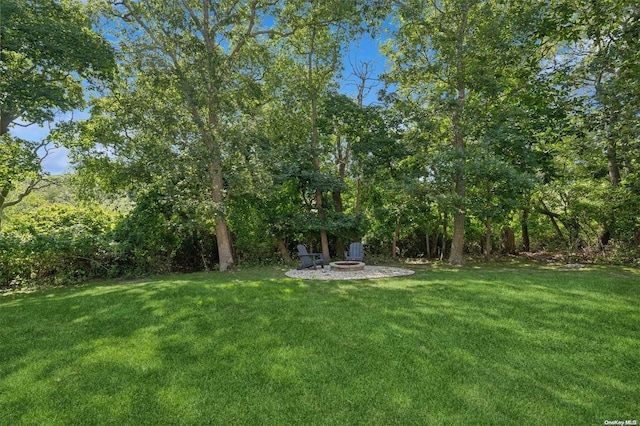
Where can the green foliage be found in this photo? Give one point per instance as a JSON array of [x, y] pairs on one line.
[[53, 239], [18, 162], [56, 244], [594, 156], [48, 50], [159, 235], [227, 125], [48, 53]]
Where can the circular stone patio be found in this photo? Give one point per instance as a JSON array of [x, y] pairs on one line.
[[368, 272]]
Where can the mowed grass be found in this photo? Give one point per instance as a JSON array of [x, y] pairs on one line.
[[489, 345]]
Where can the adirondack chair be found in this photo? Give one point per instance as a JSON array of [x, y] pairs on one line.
[[309, 259], [355, 253]]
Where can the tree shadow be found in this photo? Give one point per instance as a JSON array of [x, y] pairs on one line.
[[256, 348]]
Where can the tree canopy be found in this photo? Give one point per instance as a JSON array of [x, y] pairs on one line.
[[49, 54], [502, 126]]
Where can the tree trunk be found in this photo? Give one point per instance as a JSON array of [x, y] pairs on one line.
[[456, 257], [443, 249], [342, 159], [612, 161], [487, 237], [357, 207], [337, 203], [427, 238], [396, 236], [324, 239], [552, 216], [283, 251], [509, 240], [340, 247], [524, 223], [6, 118], [614, 179], [203, 254], [223, 239], [434, 242], [363, 72], [225, 253], [315, 145]]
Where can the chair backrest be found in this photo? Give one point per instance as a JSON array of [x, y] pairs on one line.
[[356, 252], [303, 254]]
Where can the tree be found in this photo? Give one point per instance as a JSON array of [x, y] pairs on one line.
[[313, 55], [458, 60], [42, 75], [605, 50], [213, 54], [497, 191], [431, 55], [388, 191], [589, 186], [343, 123]]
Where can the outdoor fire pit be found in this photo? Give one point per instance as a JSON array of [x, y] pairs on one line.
[[347, 265]]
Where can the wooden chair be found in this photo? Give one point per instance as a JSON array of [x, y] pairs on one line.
[[355, 253], [309, 259]]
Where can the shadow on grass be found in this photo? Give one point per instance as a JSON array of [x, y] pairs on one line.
[[454, 346]]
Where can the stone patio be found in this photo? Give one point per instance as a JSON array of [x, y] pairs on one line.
[[369, 272]]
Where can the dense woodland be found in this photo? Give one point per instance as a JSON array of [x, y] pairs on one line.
[[219, 132]]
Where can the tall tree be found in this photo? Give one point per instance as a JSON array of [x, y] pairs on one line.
[[47, 51], [314, 55], [606, 76], [344, 123], [431, 55], [597, 65], [457, 60], [214, 54]]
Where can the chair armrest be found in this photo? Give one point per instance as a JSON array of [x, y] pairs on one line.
[[312, 256]]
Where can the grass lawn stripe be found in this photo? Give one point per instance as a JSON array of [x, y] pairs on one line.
[[490, 345]]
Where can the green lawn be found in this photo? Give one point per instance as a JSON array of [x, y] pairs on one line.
[[487, 346]]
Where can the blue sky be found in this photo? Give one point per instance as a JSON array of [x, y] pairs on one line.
[[57, 161], [363, 50]]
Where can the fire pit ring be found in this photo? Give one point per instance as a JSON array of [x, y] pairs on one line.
[[347, 265]]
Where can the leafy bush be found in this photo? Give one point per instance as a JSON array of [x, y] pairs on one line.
[[162, 234], [56, 244]]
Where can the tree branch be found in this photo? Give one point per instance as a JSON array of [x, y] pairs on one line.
[[243, 40], [192, 14], [32, 185]]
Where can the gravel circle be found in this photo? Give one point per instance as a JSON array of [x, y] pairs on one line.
[[368, 272]]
